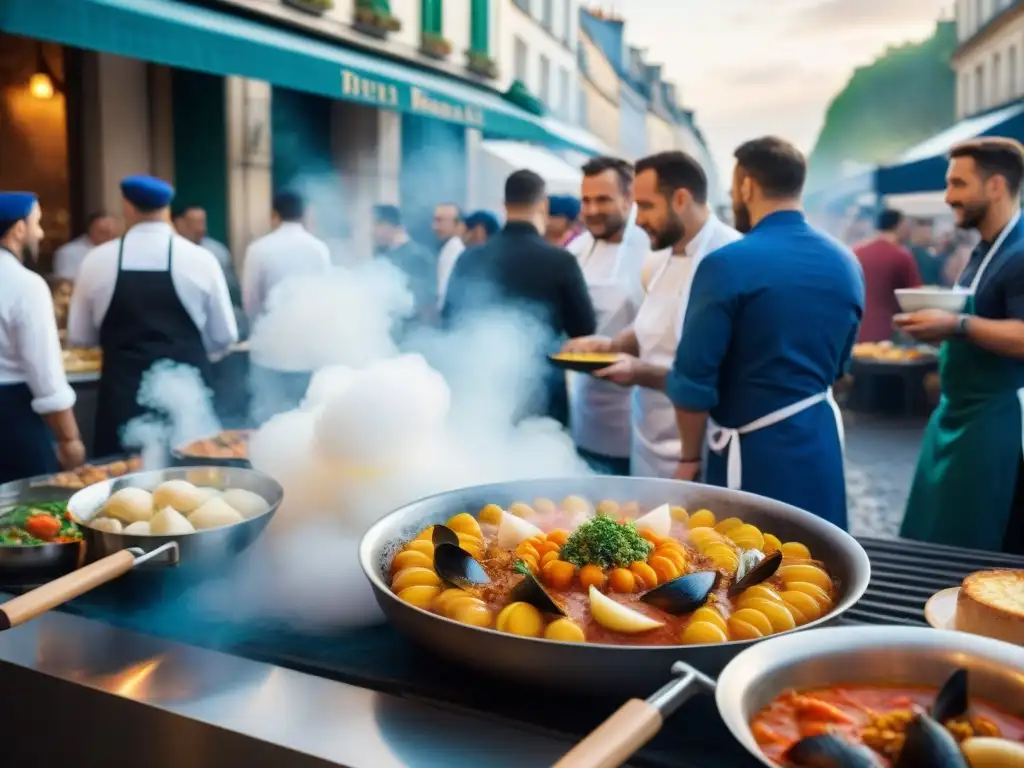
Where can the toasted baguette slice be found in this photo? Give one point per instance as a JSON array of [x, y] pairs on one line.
[[991, 603]]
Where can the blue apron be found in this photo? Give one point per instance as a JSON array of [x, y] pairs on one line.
[[26, 444]]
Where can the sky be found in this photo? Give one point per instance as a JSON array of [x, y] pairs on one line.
[[749, 73]]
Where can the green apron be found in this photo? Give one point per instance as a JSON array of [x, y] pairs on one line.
[[966, 475]]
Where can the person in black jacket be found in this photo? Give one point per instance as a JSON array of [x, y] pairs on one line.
[[392, 242], [518, 269]]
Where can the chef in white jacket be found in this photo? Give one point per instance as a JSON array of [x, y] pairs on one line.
[[611, 253], [448, 228], [671, 194]]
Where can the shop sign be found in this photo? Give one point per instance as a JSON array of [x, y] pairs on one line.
[[384, 94]]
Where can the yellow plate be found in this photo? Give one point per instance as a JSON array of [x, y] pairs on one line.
[[940, 610], [587, 362]]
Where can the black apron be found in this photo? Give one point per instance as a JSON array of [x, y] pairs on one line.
[[146, 322]]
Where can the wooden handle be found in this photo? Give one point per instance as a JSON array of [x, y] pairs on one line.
[[617, 738], [59, 591]]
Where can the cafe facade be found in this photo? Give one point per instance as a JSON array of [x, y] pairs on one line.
[[353, 102]]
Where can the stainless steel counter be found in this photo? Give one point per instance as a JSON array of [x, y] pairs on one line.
[[75, 680]]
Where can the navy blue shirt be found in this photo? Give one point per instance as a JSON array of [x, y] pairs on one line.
[[1000, 295]]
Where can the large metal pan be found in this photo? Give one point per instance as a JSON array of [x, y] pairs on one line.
[[909, 656], [632, 669], [110, 555]]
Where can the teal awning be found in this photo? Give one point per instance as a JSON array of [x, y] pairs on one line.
[[178, 34]]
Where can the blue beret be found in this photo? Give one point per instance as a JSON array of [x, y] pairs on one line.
[[14, 206], [484, 219], [147, 192], [565, 206]]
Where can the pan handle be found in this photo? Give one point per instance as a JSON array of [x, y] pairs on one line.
[[635, 723], [28, 606]]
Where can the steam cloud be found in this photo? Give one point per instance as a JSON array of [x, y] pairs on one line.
[[379, 427]]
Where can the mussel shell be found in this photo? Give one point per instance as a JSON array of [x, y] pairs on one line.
[[683, 595], [442, 534], [830, 751], [760, 572], [456, 566], [531, 591], [952, 699], [929, 745]]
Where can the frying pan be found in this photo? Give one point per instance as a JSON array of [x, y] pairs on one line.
[[594, 667], [909, 656], [110, 555], [29, 565]]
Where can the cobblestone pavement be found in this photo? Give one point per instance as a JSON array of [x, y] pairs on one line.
[[881, 454]]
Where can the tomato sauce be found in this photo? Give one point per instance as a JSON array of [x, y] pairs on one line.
[[849, 710]]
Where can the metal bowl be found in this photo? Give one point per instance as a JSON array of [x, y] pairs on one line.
[[916, 656], [623, 669], [27, 565], [209, 547]]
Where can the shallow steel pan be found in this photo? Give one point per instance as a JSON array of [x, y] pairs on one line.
[[590, 666], [110, 555]]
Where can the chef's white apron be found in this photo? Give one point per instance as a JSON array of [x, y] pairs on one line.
[[601, 418], [657, 448]]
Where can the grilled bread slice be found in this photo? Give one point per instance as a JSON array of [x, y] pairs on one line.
[[991, 603]]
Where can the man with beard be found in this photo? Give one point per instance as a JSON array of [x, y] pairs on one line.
[[769, 329], [34, 391], [100, 228], [191, 223], [968, 489], [611, 254], [671, 192]]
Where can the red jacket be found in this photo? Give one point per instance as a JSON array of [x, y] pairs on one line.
[[886, 266]]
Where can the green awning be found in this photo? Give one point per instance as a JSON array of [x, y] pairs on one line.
[[178, 34]]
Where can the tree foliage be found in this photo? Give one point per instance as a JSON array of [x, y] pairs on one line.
[[888, 106]]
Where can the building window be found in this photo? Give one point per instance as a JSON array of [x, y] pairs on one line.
[[964, 96], [544, 91], [519, 61], [480, 26], [565, 105], [431, 17], [581, 108], [997, 81], [567, 22], [979, 14], [547, 18], [523, 5], [979, 88]]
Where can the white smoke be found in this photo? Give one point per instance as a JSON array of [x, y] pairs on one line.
[[379, 428]]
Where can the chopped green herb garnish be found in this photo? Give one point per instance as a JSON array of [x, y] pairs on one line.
[[604, 542], [522, 568]]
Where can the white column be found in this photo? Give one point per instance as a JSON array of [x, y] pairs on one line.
[[249, 163]]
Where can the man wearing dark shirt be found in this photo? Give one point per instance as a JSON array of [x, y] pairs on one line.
[[887, 266], [518, 269], [930, 262], [392, 242]]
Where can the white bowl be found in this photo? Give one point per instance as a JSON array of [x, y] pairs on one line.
[[914, 299]]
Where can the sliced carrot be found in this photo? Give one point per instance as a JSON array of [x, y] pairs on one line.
[[810, 708]]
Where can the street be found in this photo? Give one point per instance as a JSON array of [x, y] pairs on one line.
[[881, 454]]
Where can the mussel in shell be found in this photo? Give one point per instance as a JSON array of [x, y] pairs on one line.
[[442, 534], [952, 700], [830, 751], [531, 591], [683, 595], [929, 745], [456, 566], [763, 571]]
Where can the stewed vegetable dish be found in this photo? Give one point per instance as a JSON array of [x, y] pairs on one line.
[[230, 444], [899, 726], [609, 574], [39, 523]]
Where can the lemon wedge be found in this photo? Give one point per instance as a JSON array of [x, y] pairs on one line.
[[513, 531], [658, 521], [618, 618]]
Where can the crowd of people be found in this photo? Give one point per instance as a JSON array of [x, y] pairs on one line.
[[724, 339]]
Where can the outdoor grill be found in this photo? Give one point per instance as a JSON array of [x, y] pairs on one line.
[[905, 574]]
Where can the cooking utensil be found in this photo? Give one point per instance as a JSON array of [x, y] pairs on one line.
[[592, 666], [583, 363], [881, 655], [110, 555], [31, 564], [180, 458]]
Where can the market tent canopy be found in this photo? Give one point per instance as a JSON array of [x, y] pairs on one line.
[[923, 167], [189, 36], [504, 157]]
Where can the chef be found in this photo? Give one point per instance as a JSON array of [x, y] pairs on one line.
[[100, 228], [150, 295], [671, 192], [35, 399], [448, 229], [611, 254], [770, 326], [968, 489]]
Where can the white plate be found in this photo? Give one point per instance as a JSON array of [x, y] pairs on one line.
[[940, 610]]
